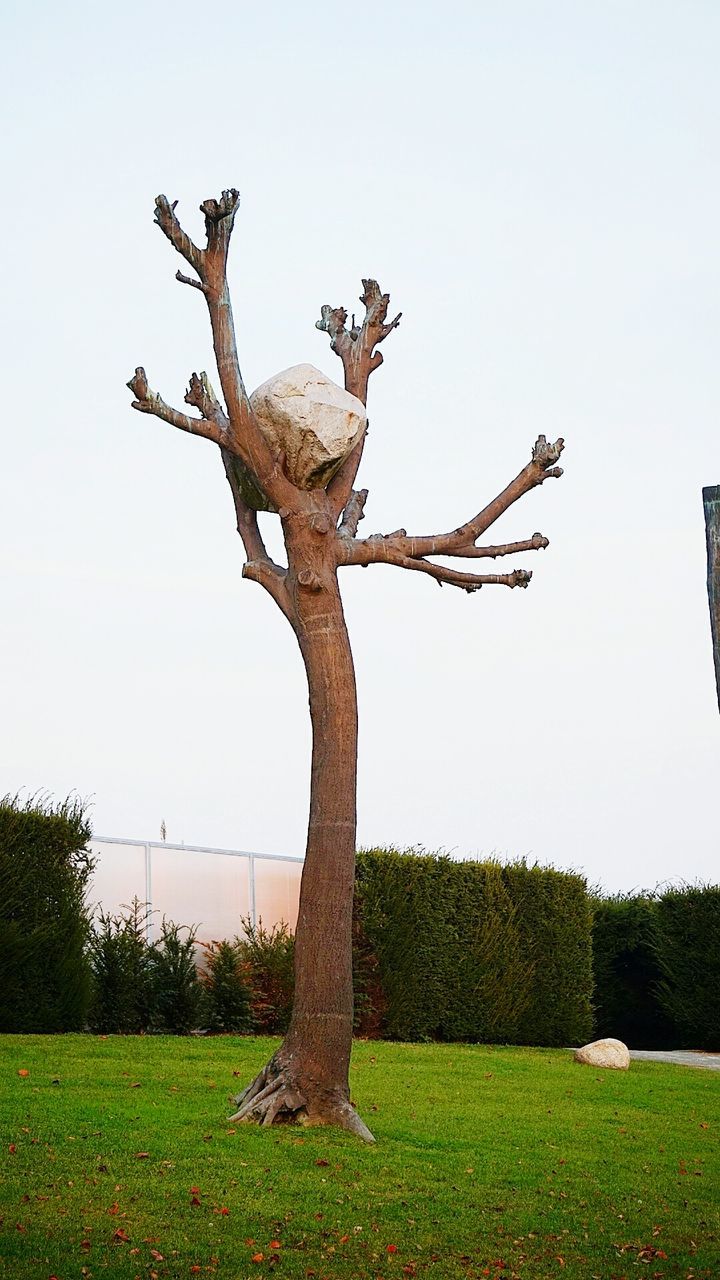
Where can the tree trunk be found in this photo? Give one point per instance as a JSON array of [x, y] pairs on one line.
[[711, 505], [307, 1078]]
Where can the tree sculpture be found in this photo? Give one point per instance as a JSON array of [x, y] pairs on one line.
[[307, 1078]]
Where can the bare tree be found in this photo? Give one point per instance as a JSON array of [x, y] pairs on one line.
[[307, 1078]]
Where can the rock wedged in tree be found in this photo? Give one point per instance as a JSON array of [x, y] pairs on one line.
[[311, 421]]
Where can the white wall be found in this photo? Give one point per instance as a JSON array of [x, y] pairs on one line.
[[212, 889]]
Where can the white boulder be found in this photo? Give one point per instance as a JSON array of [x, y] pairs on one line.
[[311, 420], [605, 1053]]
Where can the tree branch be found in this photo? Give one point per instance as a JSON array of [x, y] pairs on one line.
[[200, 394], [243, 436], [147, 401], [460, 541], [353, 513], [259, 567], [356, 348], [179, 239], [536, 543], [442, 574]]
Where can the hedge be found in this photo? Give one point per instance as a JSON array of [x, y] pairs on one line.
[[474, 950], [44, 925], [628, 974], [688, 953]]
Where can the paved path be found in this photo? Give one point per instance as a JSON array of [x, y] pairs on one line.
[[681, 1057]]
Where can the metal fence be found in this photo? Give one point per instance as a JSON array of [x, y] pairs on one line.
[[212, 889]]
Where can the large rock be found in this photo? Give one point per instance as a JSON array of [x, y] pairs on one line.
[[605, 1053], [311, 420]]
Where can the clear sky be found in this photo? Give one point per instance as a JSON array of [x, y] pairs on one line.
[[537, 185]]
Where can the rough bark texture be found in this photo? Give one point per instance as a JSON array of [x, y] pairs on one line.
[[307, 1078]]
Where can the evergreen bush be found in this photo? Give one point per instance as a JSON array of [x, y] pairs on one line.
[[122, 978], [226, 986], [269, 955], [45, 867], [177, 991]]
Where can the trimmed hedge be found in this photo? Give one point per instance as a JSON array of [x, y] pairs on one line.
[[474, 950], [44, 924], [688, 954], [628, 974], [657, 968]]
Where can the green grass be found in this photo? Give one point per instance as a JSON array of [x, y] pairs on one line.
[[489, 1162]]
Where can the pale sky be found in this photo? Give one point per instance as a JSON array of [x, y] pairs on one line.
[[537, 185]]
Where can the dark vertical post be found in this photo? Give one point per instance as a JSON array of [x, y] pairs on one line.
[[711, 506]]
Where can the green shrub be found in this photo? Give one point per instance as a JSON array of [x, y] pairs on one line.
[[226, 987], [628, 974], [476, 951], [688, 953], [123, 997], [555, 922], [44, 923], [176, 988], [269, 955]]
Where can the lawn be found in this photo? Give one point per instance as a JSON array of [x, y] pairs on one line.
[[118, 1161]]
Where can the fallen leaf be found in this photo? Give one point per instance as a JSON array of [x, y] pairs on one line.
[[392, 1248], [121, 1235], [156, 1255], [322, 1163], [135, 1085], [274, 1244], [258, 1257], [195, 1200], [142, 1155], [12, 1148], [23, 1072]]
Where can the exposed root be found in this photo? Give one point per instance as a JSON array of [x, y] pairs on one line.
[[275, 1096]]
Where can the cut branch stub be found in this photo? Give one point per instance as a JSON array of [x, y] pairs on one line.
[[169, 225], [546, 454], [219, 219], [201, 394], [356, 346], [148, 401], [356, 349]]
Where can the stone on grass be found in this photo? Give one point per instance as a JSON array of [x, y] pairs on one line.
[[311, 420], [605, 1053]]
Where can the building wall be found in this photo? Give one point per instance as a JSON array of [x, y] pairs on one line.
[[213, 889]]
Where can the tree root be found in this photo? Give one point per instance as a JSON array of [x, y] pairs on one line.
[[278, 1096]]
